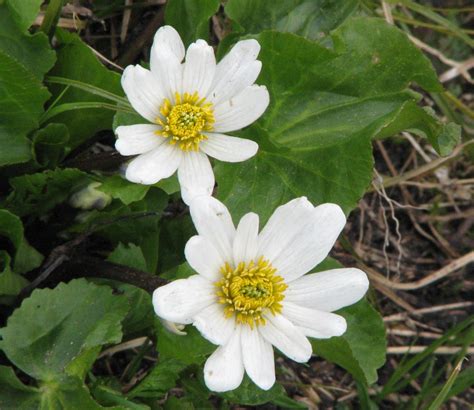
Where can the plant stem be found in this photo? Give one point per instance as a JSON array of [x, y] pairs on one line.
[[51, 17]]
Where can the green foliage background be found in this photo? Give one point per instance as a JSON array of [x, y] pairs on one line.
[[334, 89]]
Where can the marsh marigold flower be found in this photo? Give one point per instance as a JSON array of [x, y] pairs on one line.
[[190, 107], [251, 291]]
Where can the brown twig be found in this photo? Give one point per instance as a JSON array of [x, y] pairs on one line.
[[432, 309], [427, 280], [135, 48], [418, 349], [424, 169]]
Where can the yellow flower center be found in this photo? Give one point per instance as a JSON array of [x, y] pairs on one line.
[[185, 120], [250, 290]]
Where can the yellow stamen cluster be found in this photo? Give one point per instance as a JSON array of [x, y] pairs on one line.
[[185, 120], [250, 290]]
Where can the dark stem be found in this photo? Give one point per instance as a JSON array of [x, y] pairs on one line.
[[90, 267]]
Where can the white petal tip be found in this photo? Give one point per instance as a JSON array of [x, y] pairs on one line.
[[166, 31], [334, 208], [360, 279], [265, 385], [219, 384], [251, 45], [340, 326], [139, 179], [158, 306]]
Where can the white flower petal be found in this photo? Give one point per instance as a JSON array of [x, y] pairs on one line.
[[234, 81], [286, 337], [175, 328], [166, 38], [213, 221], [143, 91], [244, 53], [195, 175], [181, 300], [228, 149], [168, 70], [242, 109], [224, 370], [155, 165], [246, 239], [214, 325], [137, 139], [311, 244], [329, 290], [258, 358], [199, 68], [314, 323], [283, 226], [204, 258]]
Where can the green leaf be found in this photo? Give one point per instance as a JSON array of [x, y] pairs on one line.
[[191, 18], [308, 18], [161, 378], [68, 393], [24, 12], [142, 315], [10, 283], [174, 403], [427, 12], [137, 223], [21, 103], [119, 188], [189, 349], [109, 397], [36, 194], [49, 145], [77, 62], [361, 350], [25, 257], [463, 382], [423, 122], [83, 363], [33, 52], [125, 118], [129, 255], [444, 393], [447, 139], [182, 271], [374, 66], [14, 394], [92, 89], [325, 107], [411, 365], [250, 395], [53, 326]]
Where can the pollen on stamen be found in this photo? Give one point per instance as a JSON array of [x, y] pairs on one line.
[[250, 290], [184, 120]]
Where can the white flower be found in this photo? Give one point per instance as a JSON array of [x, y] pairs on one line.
[[250, 292], [190, 107]]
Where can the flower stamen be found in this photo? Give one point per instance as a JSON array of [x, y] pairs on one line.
[[250, 290], [185, 120]]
